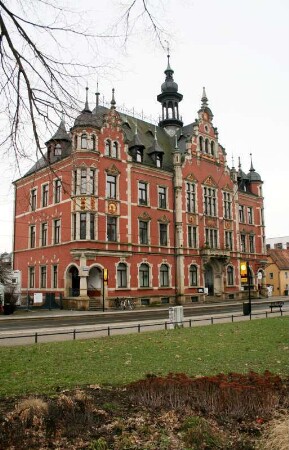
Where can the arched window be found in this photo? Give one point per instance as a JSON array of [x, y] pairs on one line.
[[164, 275], [114, 150], [193, 275], [107, 147], [201, 143], [213, 148], [207, 145], [84, 141], [75, 142], [230, 276], [122, 275], [144, 275], [93, 142]]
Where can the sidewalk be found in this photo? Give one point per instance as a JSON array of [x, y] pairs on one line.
[[38, 313]]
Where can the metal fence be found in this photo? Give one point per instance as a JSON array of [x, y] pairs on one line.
[[137, 328]]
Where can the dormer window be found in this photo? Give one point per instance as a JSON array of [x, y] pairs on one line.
[[139, 155], [57, 150], [158, 160], [84, 141]]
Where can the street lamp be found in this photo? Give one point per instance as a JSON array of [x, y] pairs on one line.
[[104, 281]]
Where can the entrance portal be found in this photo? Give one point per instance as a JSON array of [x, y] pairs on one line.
[[94, 282], [209, 279], [75, 282]]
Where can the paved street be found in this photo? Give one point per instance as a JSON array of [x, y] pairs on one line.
[[81, 325]]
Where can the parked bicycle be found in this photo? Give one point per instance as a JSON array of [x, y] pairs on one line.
[[124, 303]]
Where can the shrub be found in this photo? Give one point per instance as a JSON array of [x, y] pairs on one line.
[[199, 434]]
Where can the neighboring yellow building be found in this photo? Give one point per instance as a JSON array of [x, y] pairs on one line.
[[277, 271]]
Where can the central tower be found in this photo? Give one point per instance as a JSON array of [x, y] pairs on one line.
[[170, 98]]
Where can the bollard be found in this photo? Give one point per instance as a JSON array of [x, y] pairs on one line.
[[36, 338], [74, 334], [138, 328], [108, 331]]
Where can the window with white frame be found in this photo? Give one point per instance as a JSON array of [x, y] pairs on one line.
[[44, 195], [56, 231], [82, 226], [31, 277], [230, 275], [143, 232], [210, 205], [250, 215], [33, 199], [54, 276], [44, 229], [191, 197], [142, 193], [251, 243], [227, 205], [144, 275], [32, 236], [241, 214], [243, 242], [162, 191], [111, 228], [193, 275], [111, 186], [163, 234], [211, 237], [83, 180], [57, 191], [229, 240], [43, 277], [192, 236], [83, 141], [164, 275], [122, 275]]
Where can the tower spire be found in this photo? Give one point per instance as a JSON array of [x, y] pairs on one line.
[[113, 102], [251, 167], [97, 94], [86, 106], [204, 98]]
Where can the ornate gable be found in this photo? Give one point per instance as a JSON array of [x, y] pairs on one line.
[[191, 177], [144, 216], [209, 181], [112, 170]]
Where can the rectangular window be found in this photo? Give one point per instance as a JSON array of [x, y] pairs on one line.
[[54, 276], [262, 216], [212, 237], [251, 243], [271, 276], [111, 228], [122, 275], [250, 215], [44, 234], [191, 197], [75, 182], [163, 234], [162, 197], [83, 175], [227, 205], [32, 236], [243, 242], [43, 277], [143, 232], [111, 186], [44, 195], [229, 240], [142, 193], [82, 230], [91, 182], [74, 226], [33, 199], [57, 191], [192, 236], [241, 214], [56, 231], [210, 201], [32, 277], [92, 227]]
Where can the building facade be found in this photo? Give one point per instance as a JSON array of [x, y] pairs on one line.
[[277, 271], [155, 208]]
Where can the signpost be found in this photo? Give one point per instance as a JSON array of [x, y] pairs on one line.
[[104, 282]]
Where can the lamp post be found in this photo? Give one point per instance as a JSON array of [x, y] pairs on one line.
[[104, 282], [249, 286]]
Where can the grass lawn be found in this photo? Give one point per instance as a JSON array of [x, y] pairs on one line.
[[257, 345]]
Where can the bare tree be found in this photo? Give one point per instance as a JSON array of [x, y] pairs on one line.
[[36, 85]]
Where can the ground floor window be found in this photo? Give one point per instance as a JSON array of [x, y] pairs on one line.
[[144, 278], [230, 275], [193, 275], [122, 275]]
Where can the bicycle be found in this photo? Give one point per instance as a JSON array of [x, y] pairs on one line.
[[124, 303]]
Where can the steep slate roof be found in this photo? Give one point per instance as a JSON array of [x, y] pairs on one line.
[[280, 257]]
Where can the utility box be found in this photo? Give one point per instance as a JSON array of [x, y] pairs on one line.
[[176, 316]]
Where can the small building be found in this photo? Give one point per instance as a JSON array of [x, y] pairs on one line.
[[277, 243], [277, 271]]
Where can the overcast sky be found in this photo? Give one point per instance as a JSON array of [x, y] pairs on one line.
[[238, 50]]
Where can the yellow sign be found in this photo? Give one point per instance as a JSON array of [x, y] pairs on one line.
[[105, 275]]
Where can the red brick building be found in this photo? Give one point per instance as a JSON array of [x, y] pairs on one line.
[[157, 206]]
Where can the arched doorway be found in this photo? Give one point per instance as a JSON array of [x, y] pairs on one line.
[[94, 282], [74, 281], [209, 279]]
